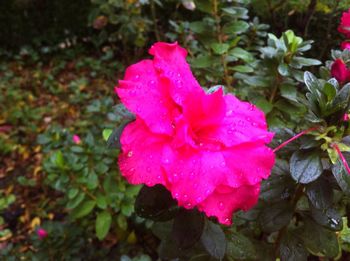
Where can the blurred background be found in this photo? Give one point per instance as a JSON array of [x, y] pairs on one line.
[[59, 63]]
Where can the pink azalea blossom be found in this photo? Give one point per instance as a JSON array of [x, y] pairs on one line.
[[42, 233], [76, 139], [345, 45], [339, 71], [208, 150], [344, 26]]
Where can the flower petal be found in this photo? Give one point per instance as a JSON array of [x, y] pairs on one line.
[[170, 62], [243, 122], [225, 200], [142, 85], [139, 160]]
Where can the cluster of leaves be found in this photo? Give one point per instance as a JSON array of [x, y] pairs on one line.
[[275, 84]]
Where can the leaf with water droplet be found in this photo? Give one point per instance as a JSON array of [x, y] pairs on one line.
[[328, 218], [305, 167], [341, 174], [239, 247], [214, 240], [318, 240]]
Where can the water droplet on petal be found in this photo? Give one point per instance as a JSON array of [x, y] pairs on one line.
[[130, 153], [230, 112], [185, 197], [221, 205], [176, 195], [159, 177], [166, 161], [254, 124], [178, 75], [137, 76], [132, 169], [199, 199], [227, 221], [188, 205]]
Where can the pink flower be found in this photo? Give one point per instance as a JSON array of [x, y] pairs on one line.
[[346, 117], [41, 233], [76, 139], [339, 71], [208, 150], [344, 26], [345, 45]]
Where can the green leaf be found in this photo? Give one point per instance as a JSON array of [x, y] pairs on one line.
[[236, 27], [239, 247], [101, 201], [122, 222], [330, 91], [203, 61], [320, 194], [155, 203], [103, 224], [318, 240], [306, 61], [274, 217], [305, 167], [220, 48], [84, 209], [198, 27], [283, 69], [76, 200], [214, 240], [241, 54], [291, 248], [328, 218], [114, 138], [106, 133], [187, 228], [242, 68], [341, 174], [57, 159]]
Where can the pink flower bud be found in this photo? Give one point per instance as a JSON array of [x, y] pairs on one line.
[[346, 117], [76, 139], [42, 233]]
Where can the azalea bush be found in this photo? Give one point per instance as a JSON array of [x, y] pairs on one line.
[[195, 132]]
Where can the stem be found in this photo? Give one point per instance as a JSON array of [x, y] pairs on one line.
[[343, 160], [219, 35], [294, 138]]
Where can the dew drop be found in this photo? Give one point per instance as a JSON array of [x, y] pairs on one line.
[[254, 124], [130, 153], [137, 76], [251, 107], [178, 75], [230, 112], [188, 205], [159, 177], [176, 195], [152, 82], [221, 205], [132, 169], [185, 197], [199, 199], [166, 161], [249, 119], [227, 221], [192, 175]]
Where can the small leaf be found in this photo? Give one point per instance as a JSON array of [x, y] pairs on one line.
[[84, 209], [220, 48], [106, 133], [305, 167], [103, 224], [213, 239]]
